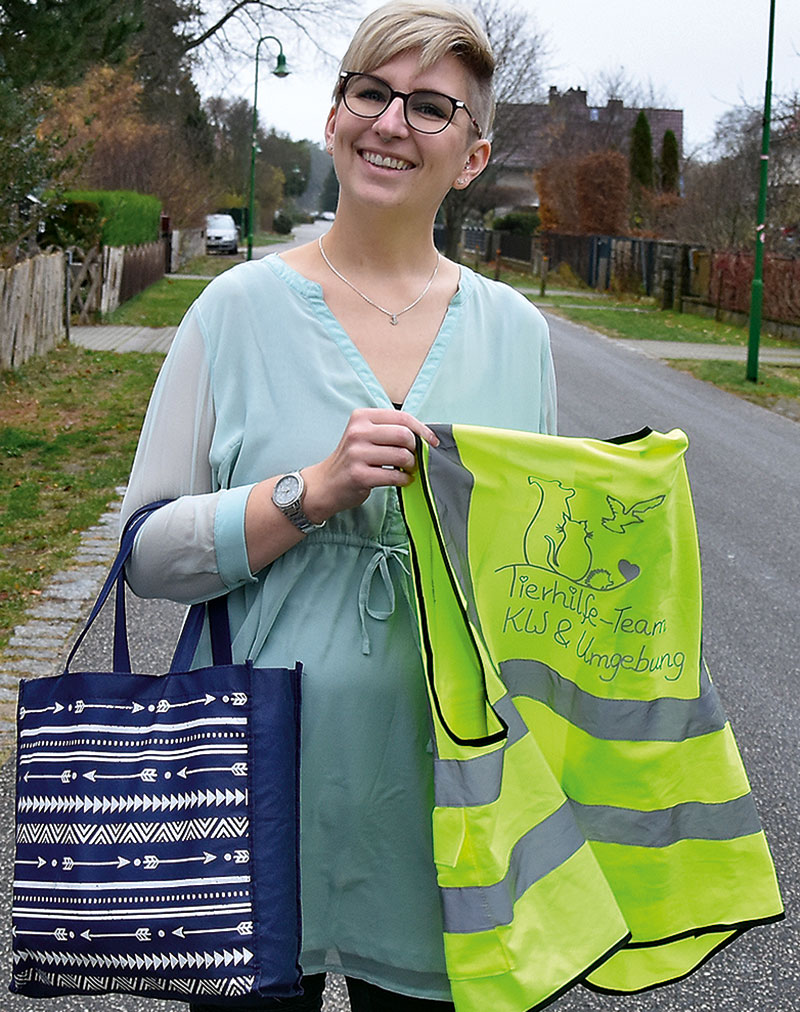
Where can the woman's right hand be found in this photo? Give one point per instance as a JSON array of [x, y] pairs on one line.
[[377, 448]]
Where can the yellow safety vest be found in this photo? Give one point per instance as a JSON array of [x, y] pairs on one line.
[[593, 821]]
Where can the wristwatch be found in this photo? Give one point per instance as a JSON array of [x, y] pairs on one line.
[[288, 497]]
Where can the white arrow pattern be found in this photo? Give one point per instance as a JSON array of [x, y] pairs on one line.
[[238, 770], [152, 861], [80, 706], [147, 776], [242, 928], [164, 705], [68, 863], [55, 708]]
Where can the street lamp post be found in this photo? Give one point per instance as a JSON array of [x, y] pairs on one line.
[[757, 290], [280, 70]]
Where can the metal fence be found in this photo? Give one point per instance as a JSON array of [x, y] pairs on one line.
[[676, 273]]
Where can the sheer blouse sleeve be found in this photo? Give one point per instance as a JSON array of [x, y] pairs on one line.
[[194, 548]]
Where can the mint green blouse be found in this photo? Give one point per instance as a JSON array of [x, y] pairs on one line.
[[261, 379]]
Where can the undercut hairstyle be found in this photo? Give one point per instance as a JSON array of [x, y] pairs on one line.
[[435, 29]]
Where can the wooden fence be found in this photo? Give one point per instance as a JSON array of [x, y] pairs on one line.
[[31, 308], [104, 278], [142, 266], [85, 283]]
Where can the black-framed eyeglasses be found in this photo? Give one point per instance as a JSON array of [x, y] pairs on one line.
[[428, 112]]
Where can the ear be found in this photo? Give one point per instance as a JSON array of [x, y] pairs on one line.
[[475, 162], [329, 128]]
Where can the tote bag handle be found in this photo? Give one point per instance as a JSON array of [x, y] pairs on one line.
[[193, 625]]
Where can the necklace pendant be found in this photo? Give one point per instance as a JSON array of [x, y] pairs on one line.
[[393, 320]]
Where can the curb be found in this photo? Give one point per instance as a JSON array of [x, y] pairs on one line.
[[37, 647]]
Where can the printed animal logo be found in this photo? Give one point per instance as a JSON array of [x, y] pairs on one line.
[[561, 542], [623, 516]]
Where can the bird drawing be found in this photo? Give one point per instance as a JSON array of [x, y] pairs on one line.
[[623, 516]]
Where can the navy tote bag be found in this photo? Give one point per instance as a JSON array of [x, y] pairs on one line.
[[157, 824]]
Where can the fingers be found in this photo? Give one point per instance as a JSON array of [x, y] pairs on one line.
[[393, 426], [377, 448]]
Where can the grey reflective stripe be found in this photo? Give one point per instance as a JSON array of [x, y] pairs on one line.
[[476, 781], [540, 851], [617, 719], [451, 485], [692, 820]]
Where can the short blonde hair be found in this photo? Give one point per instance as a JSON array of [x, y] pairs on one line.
[[436, 29]]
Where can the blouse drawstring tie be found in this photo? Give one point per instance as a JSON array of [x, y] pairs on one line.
[[378, 563]]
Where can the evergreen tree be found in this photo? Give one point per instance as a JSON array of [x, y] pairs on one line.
[[642, 169], [55, 43], [670, 169], [330, 192]]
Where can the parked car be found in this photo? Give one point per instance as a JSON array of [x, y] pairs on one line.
[[222, 235]]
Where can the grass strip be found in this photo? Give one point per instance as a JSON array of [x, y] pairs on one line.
[[643, 322], [778, 387], [69, 424], [161, 305]]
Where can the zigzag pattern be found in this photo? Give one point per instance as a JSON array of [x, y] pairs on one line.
[[231, 987], [221, 828], [132, 803], [126, 961]]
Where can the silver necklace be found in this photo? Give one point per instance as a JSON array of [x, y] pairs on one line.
[[392, 316]]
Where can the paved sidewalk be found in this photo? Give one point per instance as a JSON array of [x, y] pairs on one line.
[[108, 338], [717, 352], [37, 646]]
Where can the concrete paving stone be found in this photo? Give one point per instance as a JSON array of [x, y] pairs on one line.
[[19, 646], [95, 556], [31, 669], [51, 629], [8, 695], [69, 610], [83, 573], [80, 590]]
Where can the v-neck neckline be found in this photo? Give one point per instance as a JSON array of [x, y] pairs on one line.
[[312, 292]]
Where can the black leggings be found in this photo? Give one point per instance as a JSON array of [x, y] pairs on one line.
[[364, 997]]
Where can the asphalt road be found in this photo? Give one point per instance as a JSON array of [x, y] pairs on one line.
[[744, 465]]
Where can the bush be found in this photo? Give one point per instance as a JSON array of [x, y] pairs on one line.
[[75, 223], [518, 222], [127, 218], [282, 223]]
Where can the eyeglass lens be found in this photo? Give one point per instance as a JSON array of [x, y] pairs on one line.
[[426, 111]]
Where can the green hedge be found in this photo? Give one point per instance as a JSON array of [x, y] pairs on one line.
[[518, 222], [127, 218]]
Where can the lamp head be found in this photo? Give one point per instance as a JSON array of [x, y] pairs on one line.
[[281, 70]]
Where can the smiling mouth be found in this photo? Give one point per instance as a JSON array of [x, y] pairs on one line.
[[386, 162]]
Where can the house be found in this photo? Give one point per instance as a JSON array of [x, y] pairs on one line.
[[530, 136]]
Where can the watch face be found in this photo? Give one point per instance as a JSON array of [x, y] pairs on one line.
[[287, 490]]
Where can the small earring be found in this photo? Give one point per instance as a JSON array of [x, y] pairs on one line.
[[462, 181]]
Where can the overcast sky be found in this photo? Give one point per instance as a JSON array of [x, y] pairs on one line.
[[702, 56]]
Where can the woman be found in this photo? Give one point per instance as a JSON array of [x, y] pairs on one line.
[[283, 421]]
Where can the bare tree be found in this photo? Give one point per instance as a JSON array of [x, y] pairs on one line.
[[721, 192], [521, 50]]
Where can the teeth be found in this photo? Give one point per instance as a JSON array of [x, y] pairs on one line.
[[385, 163]]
